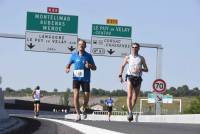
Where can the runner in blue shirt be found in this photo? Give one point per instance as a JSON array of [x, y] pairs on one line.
[[109, 104], [83, 63]]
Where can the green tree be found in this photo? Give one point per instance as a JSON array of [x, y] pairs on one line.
[[194, 107], [171, 91], [64, 98], [195, 92], [55, 90]]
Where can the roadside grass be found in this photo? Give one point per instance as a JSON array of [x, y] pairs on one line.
[[172, 108]]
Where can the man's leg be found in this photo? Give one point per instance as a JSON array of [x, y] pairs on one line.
[[35, 108], [136, 92], [38, 109], [109, 114], [129, 100], [86, 99], [85, 104], [76, 100], [76, 88], [129, 96]]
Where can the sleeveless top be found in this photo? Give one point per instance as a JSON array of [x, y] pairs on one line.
[[134, 65], [37, 95]]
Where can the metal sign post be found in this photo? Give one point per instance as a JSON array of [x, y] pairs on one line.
[[3, 112], [159, 86]]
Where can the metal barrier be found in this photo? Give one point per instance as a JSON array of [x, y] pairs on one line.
[[114, 113]]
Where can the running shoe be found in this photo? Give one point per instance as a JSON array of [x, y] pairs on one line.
[[78, 117], [37, 114], [130, 117], [84, 111]]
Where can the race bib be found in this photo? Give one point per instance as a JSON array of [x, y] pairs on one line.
[[78, 73], [109, 104]]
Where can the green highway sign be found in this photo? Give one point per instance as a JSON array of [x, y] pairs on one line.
[[110, 40], [46, 22], [110, 30]]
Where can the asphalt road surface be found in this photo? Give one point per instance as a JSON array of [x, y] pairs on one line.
[[48, 127], [146, 128]]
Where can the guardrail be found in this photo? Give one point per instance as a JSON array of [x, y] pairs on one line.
[[114, 113], [183, 118]]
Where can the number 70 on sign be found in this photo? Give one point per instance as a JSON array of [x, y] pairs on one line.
[[159, 86]]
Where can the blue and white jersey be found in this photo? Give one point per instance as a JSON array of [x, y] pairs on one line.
[[37, 95], [109, 102], [81, 73]]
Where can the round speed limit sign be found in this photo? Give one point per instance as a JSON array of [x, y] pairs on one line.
[[159, 86]]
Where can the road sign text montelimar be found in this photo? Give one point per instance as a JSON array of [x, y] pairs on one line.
[[54, 33], [52, 22]]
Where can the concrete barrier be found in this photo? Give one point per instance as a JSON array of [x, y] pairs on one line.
[[183, 118], [179, 118]]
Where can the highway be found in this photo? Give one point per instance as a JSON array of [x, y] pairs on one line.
[[84, 126]]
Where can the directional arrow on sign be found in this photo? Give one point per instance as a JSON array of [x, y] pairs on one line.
[[31, 46], [110, 51], [159, 98], [71, 48]]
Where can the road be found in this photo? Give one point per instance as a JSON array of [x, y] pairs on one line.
[[121, 127]]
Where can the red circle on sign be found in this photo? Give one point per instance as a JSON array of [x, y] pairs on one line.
[[159, 86]]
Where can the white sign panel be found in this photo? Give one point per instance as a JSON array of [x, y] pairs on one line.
[[50, 42], [167, 99], [113, 47], [151, 97]]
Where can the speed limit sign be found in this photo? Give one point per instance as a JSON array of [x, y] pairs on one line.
[[159, 86]]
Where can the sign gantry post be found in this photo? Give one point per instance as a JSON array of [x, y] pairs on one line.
[[159, 86], [3, 113]]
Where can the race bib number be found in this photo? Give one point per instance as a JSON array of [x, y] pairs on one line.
[[78, 73], [109, 104]]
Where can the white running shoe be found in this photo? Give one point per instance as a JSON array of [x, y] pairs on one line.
[[78, 117]]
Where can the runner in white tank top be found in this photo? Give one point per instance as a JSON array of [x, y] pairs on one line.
[[36, 96], [136, 65]]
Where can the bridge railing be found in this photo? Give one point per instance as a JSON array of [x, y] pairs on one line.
[[114, 113]]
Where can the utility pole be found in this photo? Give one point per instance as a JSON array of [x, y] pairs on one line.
[[3, 112]]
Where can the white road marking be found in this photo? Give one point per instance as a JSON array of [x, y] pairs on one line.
[[83, 128]]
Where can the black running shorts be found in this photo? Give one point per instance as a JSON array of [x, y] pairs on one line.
[[135, 81], [84, 85]]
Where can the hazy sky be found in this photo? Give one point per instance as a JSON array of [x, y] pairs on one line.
[[175, 24]]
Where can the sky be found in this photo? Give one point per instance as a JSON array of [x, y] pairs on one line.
[[175, 24]]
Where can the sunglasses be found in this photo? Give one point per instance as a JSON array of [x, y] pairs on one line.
[[134, 47]]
